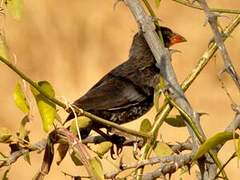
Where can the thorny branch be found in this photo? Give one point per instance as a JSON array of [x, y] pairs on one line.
[[232, 127], [162, 57], [41, 145], [212, 20], [167, 164], [177, 162], [219, 10], [170, 164]]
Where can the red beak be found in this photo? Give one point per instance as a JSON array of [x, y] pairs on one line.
[[176, 38]]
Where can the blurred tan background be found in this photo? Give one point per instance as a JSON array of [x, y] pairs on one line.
[[74, 43]]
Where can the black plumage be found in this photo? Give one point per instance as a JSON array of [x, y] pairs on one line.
[[126, 92]]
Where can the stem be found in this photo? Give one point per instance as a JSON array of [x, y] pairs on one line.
[[31, 82], [77, 110], [152, 13], [114, 125], [219, 10]]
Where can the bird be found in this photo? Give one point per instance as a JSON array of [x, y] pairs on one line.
[[126, 92]]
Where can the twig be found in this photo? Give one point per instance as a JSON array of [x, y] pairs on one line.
[[212, 20], [116, 126], [235, 124], [219, 10], [232, 127], [187, 145], [62, 135], [76, 177], [225, 164], [155, 18], [208, 54], [168, 164], [12, 158], [169, 168]]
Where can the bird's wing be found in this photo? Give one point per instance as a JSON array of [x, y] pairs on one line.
[[111, 93]]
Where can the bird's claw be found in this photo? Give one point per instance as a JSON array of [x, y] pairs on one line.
[[117, 145]]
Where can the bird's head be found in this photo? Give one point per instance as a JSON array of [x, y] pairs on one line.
[[169, 37], [140, 47]]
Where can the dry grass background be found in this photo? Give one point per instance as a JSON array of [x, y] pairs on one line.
[[73, 43]]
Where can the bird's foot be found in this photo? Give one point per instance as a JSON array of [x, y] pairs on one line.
[[117, 147], [116, 140]]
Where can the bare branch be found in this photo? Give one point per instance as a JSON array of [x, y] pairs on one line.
[[12, 158]]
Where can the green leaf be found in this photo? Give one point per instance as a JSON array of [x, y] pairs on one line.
[[26, 157], [97, 168], [83, 122], [103, 148], [238, 148], [145, 126], [157, 2], [210, 143], [5, 135], [176, 121], [15, 8], [23, 132], [20, 99], [2, 157], [162, 149], [46, 108], [75, 159], [3, 49]]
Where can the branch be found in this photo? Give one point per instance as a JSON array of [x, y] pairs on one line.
[[62, 135], [179, 147], [168, 164], [207, 55], [12, 158], [161, 55], [176, 163], [163, 60], [235, 124], [212, 20], [232, 127], [201, 64], [176, 94], [219, 10]]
